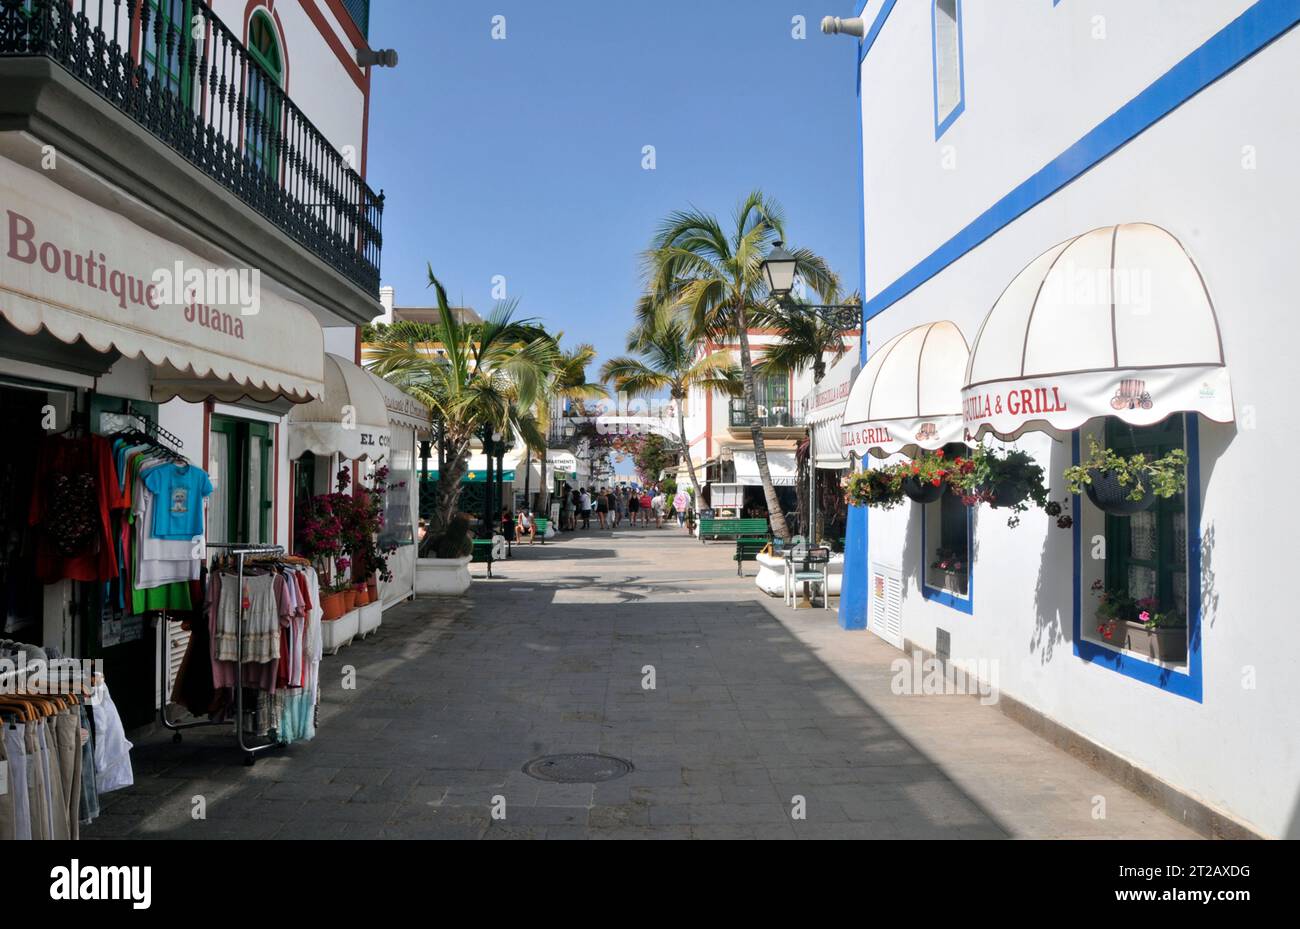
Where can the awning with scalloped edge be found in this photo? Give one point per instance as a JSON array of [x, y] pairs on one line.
[[84, 273], [908, 396], [351, 420], [1115, 322]]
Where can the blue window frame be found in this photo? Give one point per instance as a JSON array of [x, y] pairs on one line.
[[1184, 682], [954, 541], [949, 64]]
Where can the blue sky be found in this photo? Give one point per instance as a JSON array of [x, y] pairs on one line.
[[523, 157]]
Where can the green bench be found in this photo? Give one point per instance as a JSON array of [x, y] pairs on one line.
[[733, 529], [483, 554], [543, 526], [747, 549]]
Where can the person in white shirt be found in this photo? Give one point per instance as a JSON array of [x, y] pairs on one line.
[[584, 504], [526, 527]]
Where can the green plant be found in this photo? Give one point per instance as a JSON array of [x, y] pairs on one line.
[[454, 542], [1008, 478], [1166, 475], [881, 488]]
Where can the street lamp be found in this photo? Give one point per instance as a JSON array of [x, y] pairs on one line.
[[779, 267]]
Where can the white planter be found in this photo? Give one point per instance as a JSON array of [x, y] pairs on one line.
[[372, 616], [442, 577], [771, 575], [340, 632]]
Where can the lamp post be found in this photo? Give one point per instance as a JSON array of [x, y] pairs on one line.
[[781, 268]]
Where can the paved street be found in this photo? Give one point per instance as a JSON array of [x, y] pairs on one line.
[[754, 707]]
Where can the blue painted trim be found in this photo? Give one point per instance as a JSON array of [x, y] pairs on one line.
[[854, 585], [942, 126], [1236, 42], [874, 31], [964, 604], [1189, 684]]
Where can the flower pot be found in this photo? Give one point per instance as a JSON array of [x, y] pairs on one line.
[[331, 607], [442, 577], [1110, 496], [372, 585], [1007, 494], [1167, 644], [1119, 638], [363, 595], [923, 491], [349, 599]]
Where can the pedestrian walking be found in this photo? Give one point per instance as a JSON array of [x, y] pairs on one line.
[[634, 506], [620, 507], [681, 503], [658, 503], [566, 508], [584, 507], [602, 508]]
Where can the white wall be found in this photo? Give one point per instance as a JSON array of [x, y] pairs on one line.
[[1030, 92]]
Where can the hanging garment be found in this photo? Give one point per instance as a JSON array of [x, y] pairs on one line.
[[181, 490], [112, 750], [89, 791], [67, 738], [76, 490], [8, 809], [16, 750]]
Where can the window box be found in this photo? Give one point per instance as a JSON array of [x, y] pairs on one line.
[[1167, 644]]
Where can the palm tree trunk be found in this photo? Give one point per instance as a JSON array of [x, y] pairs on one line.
[[449, 486], [545, 489], [777, 517], [686, 450]]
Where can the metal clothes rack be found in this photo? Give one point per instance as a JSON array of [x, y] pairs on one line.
[[239, 552]]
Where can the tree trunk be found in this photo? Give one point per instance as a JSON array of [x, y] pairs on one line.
[[686, 450], [528, 478], [449, 487], [779, 527], [545, 489]]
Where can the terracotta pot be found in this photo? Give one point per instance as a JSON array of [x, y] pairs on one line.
[[362, 594], [349, 599], [372, 585], [332, 607]]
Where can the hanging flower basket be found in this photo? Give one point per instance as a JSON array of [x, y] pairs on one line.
[[1122, 486], [881, 488], [1113, 498], [1005, 480], [920, 491]]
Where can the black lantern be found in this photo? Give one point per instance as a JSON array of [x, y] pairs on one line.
[[779, 267]]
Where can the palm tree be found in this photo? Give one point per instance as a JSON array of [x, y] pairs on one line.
[[716, 276], [668, 363], [569, 382], [472, 375], [804, 339]]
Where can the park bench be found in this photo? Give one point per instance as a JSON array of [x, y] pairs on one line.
[[733, 528], [748, 549], [543, 526], [483, 554]]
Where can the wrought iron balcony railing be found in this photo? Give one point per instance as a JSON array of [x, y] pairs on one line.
[[775, 417], [195, 86]]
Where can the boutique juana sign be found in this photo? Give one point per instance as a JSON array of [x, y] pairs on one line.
[[82, 271]]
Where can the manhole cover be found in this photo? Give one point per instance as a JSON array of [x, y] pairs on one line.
[[577, 769]]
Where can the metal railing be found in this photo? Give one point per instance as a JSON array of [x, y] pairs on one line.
[[775, 417], [176, 69]]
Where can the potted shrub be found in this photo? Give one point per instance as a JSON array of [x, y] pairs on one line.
[[443, 567], [1006, 479], [881, 488], [954, 569], [925, 480], [1121, 486]]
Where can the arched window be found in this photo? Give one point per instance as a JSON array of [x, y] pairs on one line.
[[264, 90]]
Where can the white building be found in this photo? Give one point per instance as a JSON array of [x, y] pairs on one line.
[[236, 151], [1144, 150]]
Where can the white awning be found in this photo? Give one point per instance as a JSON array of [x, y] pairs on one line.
[[1116, 322], [404, 411], [781, 465], [825, 405], [351, 420], [81, 272], [908, 396]]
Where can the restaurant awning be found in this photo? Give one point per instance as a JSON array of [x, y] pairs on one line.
[[908, 396], [351, 420], [825, 406], [1115, 322], [404, 411], [83, 273], [781, 465]]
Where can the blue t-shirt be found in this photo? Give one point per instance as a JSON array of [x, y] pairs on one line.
[[178, 492]]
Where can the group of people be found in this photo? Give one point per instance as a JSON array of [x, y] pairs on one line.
[[614, 506]]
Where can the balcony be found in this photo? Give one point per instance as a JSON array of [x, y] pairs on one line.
[[217, 108], [769, 417]]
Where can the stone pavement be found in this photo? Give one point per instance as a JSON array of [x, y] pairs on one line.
[[757, 712]]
